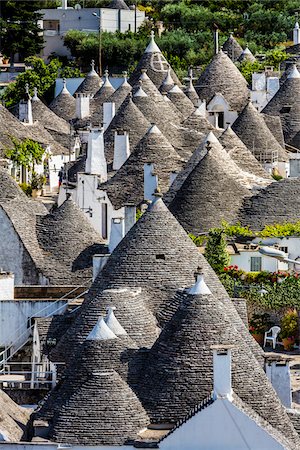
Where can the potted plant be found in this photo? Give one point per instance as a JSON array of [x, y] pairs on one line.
[[37, 183], [289, 328], [258, 325]]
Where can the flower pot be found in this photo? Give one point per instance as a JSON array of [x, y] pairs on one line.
[[259, 337], [288, 343], [36, 193]]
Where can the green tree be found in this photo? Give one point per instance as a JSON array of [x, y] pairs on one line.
[[41, 75], [215, 250], [19, 28], [25, 153]]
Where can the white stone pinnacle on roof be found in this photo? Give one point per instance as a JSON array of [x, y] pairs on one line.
[[93, 71], [154, 130], [106, 83], [211, 138], [152, 46], [175, 90], [125, 82], [101, 332], [140, 92], [113, 323], [296, 25], [144, 76], [200, 287], [294, 73], [64, 89], [35, 94], [168, 80]]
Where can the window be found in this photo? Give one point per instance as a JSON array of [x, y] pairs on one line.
[[104, 220], [255, 263], [161, 256], [220, 120], [285, 109]]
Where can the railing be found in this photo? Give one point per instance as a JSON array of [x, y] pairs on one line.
[[10, 350]]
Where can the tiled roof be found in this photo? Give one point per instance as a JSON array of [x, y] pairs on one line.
[[64, 105], [222, 76], [232, 48]]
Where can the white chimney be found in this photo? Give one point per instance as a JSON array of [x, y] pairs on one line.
[[64, 4], [296, 34], [130, 217], [121, 149], [150, 182], [6, 285], [25, 108], [117, 232], [82, 106], [222, 371], [277, 369], [96, 161], [99, 261], [109, 111]]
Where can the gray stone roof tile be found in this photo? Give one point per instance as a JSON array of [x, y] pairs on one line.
[[232, 48], [222, 76]]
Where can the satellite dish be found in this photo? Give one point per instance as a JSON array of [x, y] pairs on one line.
[[77, 6]]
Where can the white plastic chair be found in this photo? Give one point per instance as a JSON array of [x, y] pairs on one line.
[[274, 332]]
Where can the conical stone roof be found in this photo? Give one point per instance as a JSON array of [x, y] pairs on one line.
[[132, 311], [181, 101], [196, 121], [240, 154], [277, 203], [64, 105], [179, 372], [247, 55], [104, 411], [101, 96], [128, 118], [222, 76], [120, 94], [90, 354], [127, 185], [44, 115], [199, 204], [68, 235], [158, 256], [286, 105], [91, 83], [253, 131], [232, 48], [191, 92], [9, 189], [156, 64], [118, 4]]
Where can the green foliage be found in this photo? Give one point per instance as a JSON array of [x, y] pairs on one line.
[[215, 250], [19, 31], [247, 68], [26, 153], [26, 188], [259, 323], [289, 324], [37, 181], [41, 75]]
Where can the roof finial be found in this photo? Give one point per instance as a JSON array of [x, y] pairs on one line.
[[35, 94], [113, 323], [101, 332], [200, 286], [125, 74], [152, 46], [93, 65], [64, 89], [106, 74]]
